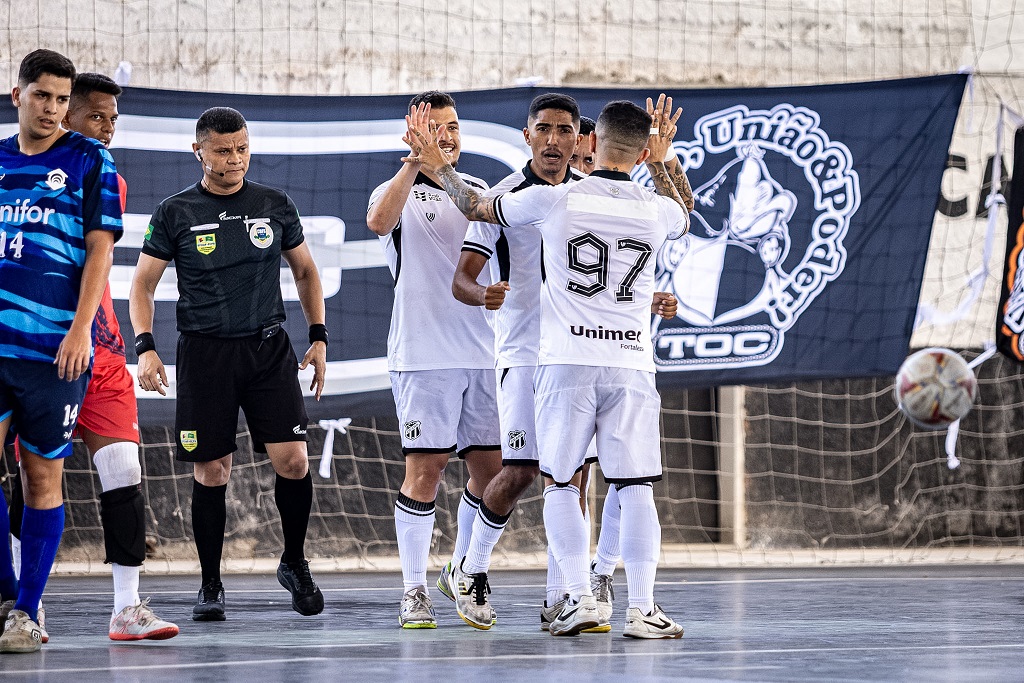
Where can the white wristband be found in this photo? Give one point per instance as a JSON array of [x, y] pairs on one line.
[[670, 154]]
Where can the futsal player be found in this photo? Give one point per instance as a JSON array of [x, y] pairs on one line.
[[59, 219], [440, 357], [227, 236], [514, 256], [108, 420], [582, 158], [596, 372]]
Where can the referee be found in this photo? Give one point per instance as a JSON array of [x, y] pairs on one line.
[[227, 236]]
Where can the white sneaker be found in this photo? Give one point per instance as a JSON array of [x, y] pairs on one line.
[[138, 622], [471, 598], [41, 620], [445, 582], [575, 618], [416, 610], [657, 624], [21, 634], [601, 585], [549, 614]]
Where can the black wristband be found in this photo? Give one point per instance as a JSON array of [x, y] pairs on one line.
[[318, 333], [144, 342]]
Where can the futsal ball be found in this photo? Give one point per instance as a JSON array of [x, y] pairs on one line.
[[934, 388]]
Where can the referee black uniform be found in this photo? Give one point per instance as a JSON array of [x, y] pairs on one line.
[[232, 350]]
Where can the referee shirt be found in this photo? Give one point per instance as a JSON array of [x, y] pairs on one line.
[[227, 252], [430, 328], [514, 256]]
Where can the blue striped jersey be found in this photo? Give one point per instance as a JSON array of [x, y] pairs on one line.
[[48, 201]]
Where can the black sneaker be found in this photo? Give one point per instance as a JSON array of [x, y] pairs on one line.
[[210, 602], [307, 599]]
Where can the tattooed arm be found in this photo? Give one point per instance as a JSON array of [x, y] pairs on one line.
[[663, 129], [663, 184], [470, 201], [679, 179]]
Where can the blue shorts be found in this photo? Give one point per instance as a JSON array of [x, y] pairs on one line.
[[43, 407]]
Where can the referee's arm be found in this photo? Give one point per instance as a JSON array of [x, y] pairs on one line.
[[151, 373], [311, 298]]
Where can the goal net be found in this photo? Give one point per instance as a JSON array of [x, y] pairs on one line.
[[813, 472]]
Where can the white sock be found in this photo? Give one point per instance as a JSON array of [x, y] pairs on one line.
[[568, 537], [487, 529], [556, 580], [640, 536], [468, 506], [126, 586], [414, 526], [15, 553], [607, 556]]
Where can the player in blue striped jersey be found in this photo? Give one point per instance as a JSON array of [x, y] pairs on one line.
[[60, 214]]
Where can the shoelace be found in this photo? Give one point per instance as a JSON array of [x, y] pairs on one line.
[[211, 591], [418, 600], [602, 587], [306, 583], [480, 588]]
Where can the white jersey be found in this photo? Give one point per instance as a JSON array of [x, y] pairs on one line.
[[514, 256], [600, 238], [430, 328]]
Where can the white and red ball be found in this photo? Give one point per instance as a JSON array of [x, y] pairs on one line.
[[935, 387]]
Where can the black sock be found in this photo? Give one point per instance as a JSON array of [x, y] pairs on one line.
[[294, 498], [209, 515]]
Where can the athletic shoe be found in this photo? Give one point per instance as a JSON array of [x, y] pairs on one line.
[[445, 582], [416, 610], [5, 608], [657, 624], [576, 617], [210, 602], [41, 620], [601, 585], [21, 634], [549, 614], [307, 599], [471, 602], [138, 622], [8, 605]]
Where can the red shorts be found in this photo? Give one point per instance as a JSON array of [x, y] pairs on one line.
[[109, 408]]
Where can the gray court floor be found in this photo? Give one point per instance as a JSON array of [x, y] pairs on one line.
[[898, 624]]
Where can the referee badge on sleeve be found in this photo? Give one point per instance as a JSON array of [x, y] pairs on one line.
[[189, 441]]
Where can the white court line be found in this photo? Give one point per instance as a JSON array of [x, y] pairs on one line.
[[519, 657], [684, 582]]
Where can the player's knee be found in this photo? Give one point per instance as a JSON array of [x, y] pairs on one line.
[[213, 473], [293, 467], [118, 465], [122, 513], [521, 477]]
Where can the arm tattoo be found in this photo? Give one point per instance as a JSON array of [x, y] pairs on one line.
[[682, 184], [474, 206], [663, 184]]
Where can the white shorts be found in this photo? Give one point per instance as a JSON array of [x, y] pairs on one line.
[[516, 412], [622, 407], [440, 411]]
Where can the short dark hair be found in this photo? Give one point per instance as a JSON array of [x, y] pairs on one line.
[[218, 120], [553, 100], [435, 98], [88, 83], [625, 124], [587, 125], [43, 61]]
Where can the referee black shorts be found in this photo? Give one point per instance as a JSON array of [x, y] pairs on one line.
[[216, 377]]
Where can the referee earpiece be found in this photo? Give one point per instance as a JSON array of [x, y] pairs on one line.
[[199, 154]]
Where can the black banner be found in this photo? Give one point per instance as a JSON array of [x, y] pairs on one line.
[[1010, 323]]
